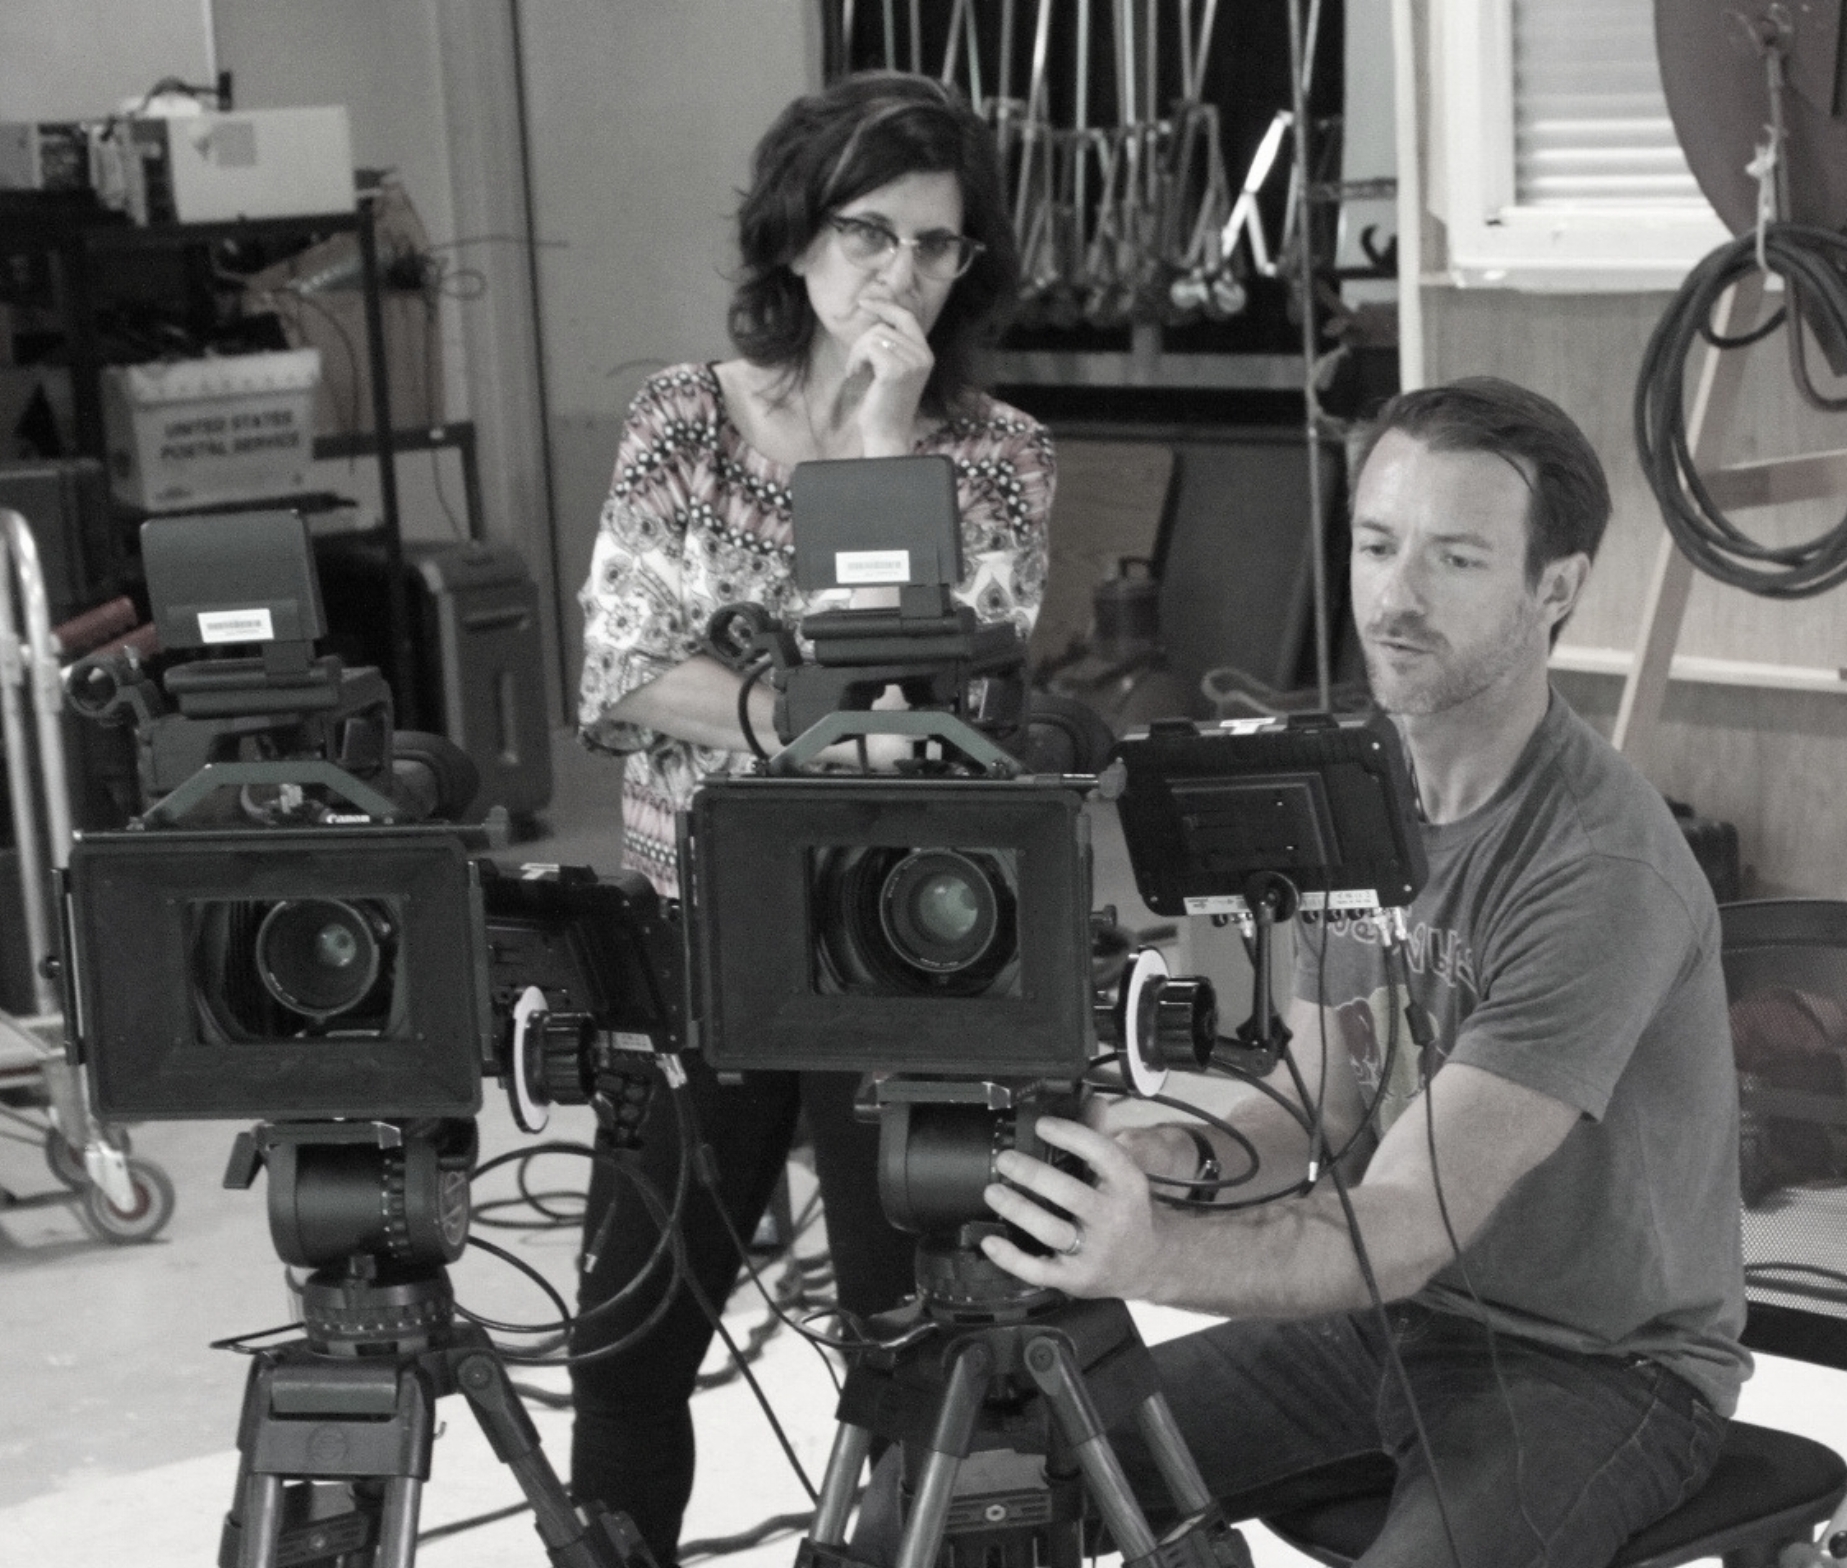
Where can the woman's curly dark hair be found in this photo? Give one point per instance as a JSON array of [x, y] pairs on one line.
[[830, 148]]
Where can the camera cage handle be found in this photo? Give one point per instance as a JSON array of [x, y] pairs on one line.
[[918, 723], [216, 776]]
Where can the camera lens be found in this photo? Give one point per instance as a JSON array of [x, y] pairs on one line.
[[318, 956], [938, 910], [892, 921]]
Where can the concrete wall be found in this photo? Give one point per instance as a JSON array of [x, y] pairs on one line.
[[71, 59], [643, 117]]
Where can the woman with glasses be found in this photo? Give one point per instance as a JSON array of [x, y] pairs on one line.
[[876, 258]]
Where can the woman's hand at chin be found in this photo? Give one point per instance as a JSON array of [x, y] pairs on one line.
[[894, 357]]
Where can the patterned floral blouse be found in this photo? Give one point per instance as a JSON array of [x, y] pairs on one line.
[[696, 519]]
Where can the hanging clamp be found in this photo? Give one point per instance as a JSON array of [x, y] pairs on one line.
[[1770, 35]]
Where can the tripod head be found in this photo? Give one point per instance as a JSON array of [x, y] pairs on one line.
[[377, 1210], [937, 1142]]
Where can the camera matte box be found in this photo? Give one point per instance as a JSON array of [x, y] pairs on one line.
[[132, 1005], [748, 846]]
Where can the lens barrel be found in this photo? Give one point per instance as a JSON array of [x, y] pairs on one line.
[[320, 957], [900, 921]]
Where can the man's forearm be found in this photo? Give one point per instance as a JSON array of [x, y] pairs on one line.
[[1289, 1259]]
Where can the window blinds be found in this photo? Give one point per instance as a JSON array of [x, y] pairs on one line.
[[1591, 126]]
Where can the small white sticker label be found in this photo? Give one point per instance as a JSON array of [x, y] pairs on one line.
[[236, 626], [865, 568], [1355, 898]]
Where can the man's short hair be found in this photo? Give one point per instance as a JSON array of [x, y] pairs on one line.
[[1570, 498]]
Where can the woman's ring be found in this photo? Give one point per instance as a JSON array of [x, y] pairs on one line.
[[1076, 1244], [886, 343]]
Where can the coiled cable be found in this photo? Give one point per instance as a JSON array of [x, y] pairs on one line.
[[1812, 262]]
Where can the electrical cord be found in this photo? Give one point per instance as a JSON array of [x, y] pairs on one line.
[[755, 673], [760, 1533], [658, 1211], [1364, 1260], [1217, 1184], [564, 1312], [1812, 262], [821, 1342], [1481, 1316], [663, 1249], [553, 1219], [793, 1286], [350, 415]]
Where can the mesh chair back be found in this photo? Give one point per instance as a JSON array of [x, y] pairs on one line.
[[1786, 976]]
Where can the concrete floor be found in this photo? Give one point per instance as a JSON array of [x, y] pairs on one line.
[[118, 1421]]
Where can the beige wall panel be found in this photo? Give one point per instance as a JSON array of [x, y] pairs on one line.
[[1775, 763], [642, 121]]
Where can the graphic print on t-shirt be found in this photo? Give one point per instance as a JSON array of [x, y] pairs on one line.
[[1443, 973]]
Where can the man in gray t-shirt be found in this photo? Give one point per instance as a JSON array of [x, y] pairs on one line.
[[1524, 1315], [1567, 940]]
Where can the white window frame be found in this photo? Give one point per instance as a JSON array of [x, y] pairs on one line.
[[1495, 243]]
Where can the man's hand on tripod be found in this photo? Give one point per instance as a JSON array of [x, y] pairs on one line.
[[1108, 1239]]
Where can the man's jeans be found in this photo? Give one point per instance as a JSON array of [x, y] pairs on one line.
[[1578, 1454]]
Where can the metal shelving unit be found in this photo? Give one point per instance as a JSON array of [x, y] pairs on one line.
[[81, 236]]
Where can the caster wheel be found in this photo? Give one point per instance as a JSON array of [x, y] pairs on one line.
[[144, 1219], [66, 1163], [66, 1159]]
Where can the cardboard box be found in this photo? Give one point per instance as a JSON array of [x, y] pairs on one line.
[[334, 324], [199, 431], [318, 298]]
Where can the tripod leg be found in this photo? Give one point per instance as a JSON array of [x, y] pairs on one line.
[[845, 1461], [608, 1541], [397, 1524], [1053, 1368], [963, 1393], [1175, 1460], [262, 1521]]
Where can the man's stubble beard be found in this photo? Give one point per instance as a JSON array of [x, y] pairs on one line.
[[1450, 685]]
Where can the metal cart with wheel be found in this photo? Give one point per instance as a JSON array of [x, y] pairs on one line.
[[120, 1197]]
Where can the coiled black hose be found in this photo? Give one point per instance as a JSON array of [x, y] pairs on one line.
[[1813, 265]]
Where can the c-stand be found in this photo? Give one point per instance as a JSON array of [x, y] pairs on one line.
[[980, 1362], [336, 1431]]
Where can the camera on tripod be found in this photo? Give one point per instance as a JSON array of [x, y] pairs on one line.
[[281, 936], [934, 929]]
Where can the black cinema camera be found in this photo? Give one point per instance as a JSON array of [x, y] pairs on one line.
[[934, 927], [315, 951], [930, 928]]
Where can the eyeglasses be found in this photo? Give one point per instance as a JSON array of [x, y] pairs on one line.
[[938, 254]]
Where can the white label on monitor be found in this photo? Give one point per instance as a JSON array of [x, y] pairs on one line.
[[1340, 898], [866, 568], [236, 626]]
